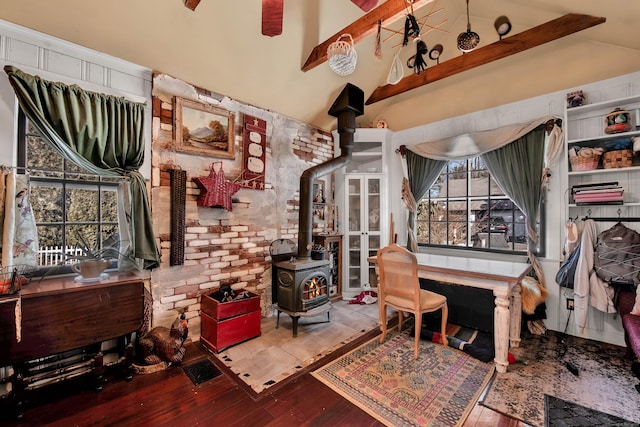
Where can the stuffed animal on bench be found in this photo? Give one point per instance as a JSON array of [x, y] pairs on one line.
[[162, 344]]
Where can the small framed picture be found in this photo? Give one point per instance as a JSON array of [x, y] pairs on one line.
[[204, 129]]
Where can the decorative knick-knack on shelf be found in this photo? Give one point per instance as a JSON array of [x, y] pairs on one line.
[[576, 99], [617, 121]]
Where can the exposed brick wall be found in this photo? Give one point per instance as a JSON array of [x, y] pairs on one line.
[[221, 247], [315, 149]]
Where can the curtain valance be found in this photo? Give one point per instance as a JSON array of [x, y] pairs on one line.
[[476, 143]]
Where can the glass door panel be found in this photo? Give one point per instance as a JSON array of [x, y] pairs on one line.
[[354, 269], [364, 229], [354, 221], [355, 233]]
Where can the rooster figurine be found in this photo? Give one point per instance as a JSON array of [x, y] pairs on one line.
[[162, 344]]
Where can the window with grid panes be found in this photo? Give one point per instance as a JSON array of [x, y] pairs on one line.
[[67, 200], [466, 209]]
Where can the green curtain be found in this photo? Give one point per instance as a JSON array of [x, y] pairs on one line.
[[422, 173], [101, 133], [518, 168]]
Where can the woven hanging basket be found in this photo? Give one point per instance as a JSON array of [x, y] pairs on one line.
[[342, 55]]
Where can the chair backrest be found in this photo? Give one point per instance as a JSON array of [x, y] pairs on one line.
[[398, 269]]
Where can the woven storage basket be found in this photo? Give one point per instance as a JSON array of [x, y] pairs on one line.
[[342, 55], [582, 163], [617, 159], [13, 277]]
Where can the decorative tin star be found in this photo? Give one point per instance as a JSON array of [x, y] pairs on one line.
[[215, 190]]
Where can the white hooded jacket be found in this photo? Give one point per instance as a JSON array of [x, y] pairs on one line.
[[588, 288]]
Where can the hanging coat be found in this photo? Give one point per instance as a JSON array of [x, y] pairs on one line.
[[618, 255], [588, 288]]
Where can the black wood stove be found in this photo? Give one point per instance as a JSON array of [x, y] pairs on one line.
[[303, 289], [301, 284]]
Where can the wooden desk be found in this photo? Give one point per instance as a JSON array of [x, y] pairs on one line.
[[59, 315], [501, 277]]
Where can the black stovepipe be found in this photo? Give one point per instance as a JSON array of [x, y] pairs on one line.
[[347, 106]]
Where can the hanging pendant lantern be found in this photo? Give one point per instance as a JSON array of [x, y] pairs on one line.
[[468, 40]]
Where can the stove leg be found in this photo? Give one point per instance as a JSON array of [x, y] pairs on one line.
[[278, 319], [295, 325]]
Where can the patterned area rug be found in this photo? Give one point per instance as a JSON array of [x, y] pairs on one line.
[[604, 382], [440, 388], [560, 413]]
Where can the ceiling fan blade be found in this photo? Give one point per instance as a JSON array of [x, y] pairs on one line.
[[272, 11], [365, 5], [191, 4]]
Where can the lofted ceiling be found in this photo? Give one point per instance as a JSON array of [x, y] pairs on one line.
[[219, 46]]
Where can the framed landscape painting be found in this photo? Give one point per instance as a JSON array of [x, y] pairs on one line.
[[204, 129]]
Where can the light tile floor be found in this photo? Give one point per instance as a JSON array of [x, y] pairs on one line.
[[275, 355]]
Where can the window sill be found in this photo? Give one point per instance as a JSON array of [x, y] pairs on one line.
[[471, 253]]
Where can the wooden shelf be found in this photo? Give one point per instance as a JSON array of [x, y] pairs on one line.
[[573, 205], [587, 123], [606, 171], [604, 105]]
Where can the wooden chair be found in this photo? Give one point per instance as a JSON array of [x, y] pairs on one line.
[[399, 288]]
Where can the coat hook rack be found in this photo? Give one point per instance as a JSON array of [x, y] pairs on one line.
[[612, 218]]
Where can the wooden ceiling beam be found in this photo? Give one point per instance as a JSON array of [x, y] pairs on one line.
[[533, 37], [389, 12]]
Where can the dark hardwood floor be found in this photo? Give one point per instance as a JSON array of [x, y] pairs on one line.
[[170, 398]]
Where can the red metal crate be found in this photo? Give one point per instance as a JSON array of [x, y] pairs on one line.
[[218, 335], [227, 323], [224, 310]]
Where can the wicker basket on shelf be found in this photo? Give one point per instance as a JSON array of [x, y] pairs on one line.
[[617, 159], [586, 160]]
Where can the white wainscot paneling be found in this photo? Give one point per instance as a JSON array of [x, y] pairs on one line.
[[62, 64], [128, 83], [95, 74], [19, 52]]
